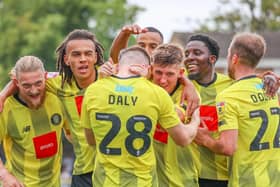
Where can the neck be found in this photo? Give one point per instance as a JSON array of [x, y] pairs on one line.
[[243, 71], [207, 78], [124, 71], [84, 83], [238, 76]]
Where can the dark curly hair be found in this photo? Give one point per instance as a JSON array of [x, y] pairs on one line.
[[211, 44]]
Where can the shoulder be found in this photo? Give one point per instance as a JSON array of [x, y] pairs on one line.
[[50, 97], [223, 78]]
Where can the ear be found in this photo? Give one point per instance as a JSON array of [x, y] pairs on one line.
[[182, 72], [212, 59], [95, 57], [16, 82], [235, 58], [65, 59], [150, 74]]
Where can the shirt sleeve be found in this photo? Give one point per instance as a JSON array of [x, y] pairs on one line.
[[227, 110], [168, 116], [85, 118]]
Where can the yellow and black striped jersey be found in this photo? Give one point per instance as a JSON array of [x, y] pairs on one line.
[[71, 97], [123, 114], [245, 107], [32, 140]]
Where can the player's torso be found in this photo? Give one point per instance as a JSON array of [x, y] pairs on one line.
[[71, 97], [33, 141], [256, 161], [210, 165], [175, 165], [123, 121]]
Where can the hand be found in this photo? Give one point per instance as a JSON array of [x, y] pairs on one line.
[[107, 69], [8, 180], [195, 118], [133, 29], [271, 84], [190, 95], [181, 113], [139, 69], [203, 134]]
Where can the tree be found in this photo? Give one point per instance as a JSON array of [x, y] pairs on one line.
[[244, 15], [33, 27]]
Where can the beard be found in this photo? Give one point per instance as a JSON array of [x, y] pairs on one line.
[[194, 76], [34, 103]]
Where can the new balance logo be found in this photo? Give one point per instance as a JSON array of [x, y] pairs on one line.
[[26, 128]]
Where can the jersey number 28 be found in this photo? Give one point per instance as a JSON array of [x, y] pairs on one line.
[[133, 134]]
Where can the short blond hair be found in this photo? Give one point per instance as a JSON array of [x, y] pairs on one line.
[[134, 55], [27, 64], [250, 47]]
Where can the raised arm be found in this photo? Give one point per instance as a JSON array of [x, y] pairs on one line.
[[121, 41]]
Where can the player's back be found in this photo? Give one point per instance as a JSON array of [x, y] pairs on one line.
[[256, 161], [123, 115]]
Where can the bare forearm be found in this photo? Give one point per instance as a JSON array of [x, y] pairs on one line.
[[118, 44], [225, 145], [215, 146], [90, 136], [8, 90]]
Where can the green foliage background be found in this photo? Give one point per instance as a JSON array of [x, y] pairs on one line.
[[260, 15], [36, 27]]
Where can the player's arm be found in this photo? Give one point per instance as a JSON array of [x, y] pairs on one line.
[[190, 95], [7, 178], [85, 121], [8, 90], [90, 136], [226, 144], [183, 134], [107, 69], [121, 41]]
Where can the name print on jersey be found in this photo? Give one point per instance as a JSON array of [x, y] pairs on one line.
[[124, 100]]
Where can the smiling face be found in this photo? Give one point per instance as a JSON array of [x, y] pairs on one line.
[[197, 60], [31, 88], [167, 76], [81, 57]]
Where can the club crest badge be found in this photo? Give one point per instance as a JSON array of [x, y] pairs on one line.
[[56, 119]]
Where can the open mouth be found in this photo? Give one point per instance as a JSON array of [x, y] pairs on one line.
[[83, 69], [34, 96]]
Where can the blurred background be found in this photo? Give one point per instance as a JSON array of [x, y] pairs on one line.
[[33, 27]]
